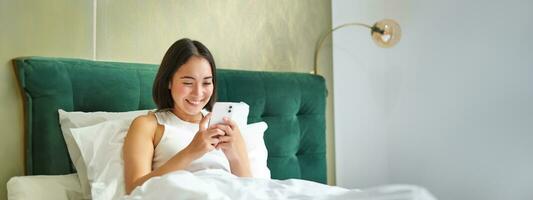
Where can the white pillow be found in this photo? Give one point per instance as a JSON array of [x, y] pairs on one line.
[[257, 151], [69, 120], [101, 149]]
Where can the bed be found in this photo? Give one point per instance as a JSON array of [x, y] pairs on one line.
[[292, 104]]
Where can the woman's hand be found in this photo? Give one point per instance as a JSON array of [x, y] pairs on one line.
[[233, 146], [231, 141], [205, 139]]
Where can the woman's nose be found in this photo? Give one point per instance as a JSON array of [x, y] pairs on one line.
[[197, 90]]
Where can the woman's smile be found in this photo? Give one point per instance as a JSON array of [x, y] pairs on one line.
[[195, 102]]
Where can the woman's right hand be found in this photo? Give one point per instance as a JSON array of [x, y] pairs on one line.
[[205, 139]]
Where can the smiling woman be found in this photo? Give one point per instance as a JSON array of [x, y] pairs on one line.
[[192, 88], [187, 54], [184, 86]]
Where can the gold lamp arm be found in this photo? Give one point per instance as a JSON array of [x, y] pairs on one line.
[[385, 33], [323, 38]]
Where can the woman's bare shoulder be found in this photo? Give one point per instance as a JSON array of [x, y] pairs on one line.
[[144, 123]]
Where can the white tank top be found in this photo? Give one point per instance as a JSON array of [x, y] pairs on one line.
[[176, 136]]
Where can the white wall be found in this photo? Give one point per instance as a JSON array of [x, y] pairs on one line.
[[360, 137], [449, 108]]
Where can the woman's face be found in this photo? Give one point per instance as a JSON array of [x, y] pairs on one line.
[[191, 88]]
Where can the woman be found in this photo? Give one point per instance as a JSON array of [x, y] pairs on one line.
[[176, 136]]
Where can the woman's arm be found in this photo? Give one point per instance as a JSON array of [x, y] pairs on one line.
[[240, 166], [234, 148], [139, 151]]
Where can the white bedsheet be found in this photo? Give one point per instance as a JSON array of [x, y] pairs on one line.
[[219, 184], [56, 187]]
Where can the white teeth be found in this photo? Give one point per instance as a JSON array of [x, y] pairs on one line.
[[194, 102]]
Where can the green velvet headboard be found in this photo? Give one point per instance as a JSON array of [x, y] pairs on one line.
[[292, 104]]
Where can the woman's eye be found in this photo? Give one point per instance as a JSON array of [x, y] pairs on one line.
[[187, 83], [208, 83]]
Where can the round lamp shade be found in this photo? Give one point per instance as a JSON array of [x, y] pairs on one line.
[[386, 33]]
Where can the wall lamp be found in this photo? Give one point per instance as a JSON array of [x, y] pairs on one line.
[[385, 33]]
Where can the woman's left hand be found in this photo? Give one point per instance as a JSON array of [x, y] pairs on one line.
[[233, 146], [232, 143]]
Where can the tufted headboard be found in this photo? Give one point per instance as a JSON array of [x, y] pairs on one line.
[[292, 104]]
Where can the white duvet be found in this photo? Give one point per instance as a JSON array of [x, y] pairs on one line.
[[219, 184]]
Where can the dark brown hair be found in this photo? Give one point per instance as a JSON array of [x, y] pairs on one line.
[[177, 55]]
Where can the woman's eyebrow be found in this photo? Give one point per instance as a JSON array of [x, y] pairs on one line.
[[190, 77]]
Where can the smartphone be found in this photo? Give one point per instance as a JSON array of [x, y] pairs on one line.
[[232, 110], [221, 110]]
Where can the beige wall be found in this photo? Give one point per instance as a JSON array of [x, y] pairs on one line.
[[251, 35], [29, 27]]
